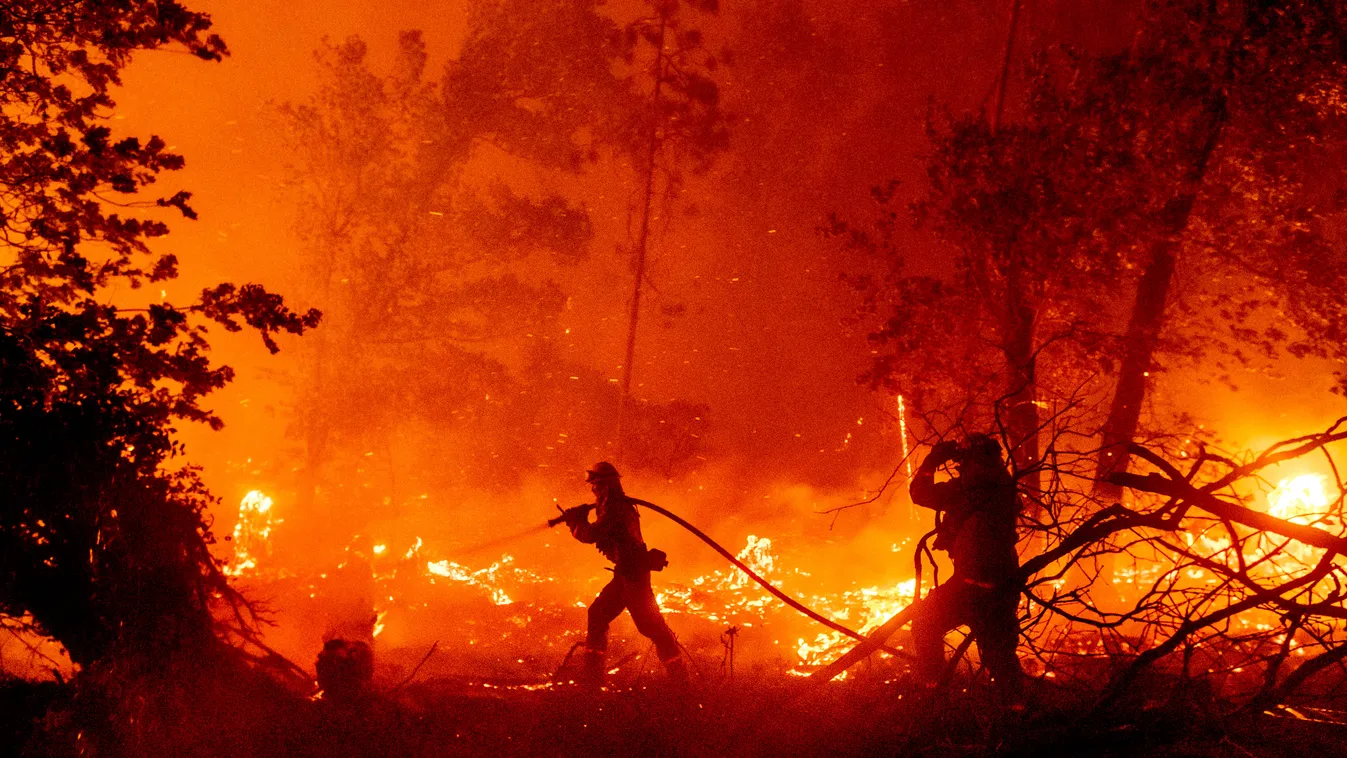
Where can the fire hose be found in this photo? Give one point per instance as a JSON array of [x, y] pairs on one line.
[[782, 596]]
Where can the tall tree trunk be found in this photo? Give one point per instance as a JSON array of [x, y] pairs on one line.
[[1021, 418], [1021, 398], [1005, 65], [642, 239], [1148, 313]]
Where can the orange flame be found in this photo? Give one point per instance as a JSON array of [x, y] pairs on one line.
[[252, 533]]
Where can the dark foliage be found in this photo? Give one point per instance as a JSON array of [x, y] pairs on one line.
[[103, 541], [1166, 206]]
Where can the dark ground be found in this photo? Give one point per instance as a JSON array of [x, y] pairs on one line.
[[754, 715]]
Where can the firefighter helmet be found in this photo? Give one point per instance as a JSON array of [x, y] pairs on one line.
[[602, 470], [982, 444]]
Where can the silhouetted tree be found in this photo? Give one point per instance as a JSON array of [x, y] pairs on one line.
[[435, 276], [104, 543], [1193, 156], [677, 124], [1242, 201], [430, 275]]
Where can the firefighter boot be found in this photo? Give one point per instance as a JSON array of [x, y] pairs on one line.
[[593, 673], [677, 670]]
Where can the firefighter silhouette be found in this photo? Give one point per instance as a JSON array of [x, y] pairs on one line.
[[976, 513], [616, 532]]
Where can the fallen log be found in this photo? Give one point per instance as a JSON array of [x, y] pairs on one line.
[[872, 643]]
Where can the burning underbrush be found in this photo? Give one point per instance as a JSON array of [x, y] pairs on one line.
[[1154, 631], [512, 616]]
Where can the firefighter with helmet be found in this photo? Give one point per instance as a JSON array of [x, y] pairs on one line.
[[616, 532], [976, 514]]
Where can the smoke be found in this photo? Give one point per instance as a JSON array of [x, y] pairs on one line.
[[747, 318]]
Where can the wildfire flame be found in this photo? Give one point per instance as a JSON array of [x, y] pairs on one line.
[[872, 606], [731, 596], [403, 573], [726, 595], [252, 533], [485, 578], [1299, 499], [723, 596]]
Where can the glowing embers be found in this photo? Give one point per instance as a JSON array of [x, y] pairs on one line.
[[730, 596], [486, 578], [870, 606], [252, 533]]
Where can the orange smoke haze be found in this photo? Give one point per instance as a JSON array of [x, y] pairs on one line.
[[827, 99]]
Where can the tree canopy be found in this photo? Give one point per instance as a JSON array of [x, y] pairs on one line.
[[104, 543], [1159, 206], [438, 268]]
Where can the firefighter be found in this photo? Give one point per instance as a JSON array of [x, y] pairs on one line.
[[616, 532], [975, 524]]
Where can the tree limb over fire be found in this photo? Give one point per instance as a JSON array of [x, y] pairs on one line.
[[1187, 582]]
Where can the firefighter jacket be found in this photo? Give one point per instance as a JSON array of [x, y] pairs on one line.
[[616, 532], [976, 522]]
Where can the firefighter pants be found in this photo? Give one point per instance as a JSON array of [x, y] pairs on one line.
[[991, 615], [637, 598]]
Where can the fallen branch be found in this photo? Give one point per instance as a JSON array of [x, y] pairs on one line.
[[1193, 625], [416, 670], [1161, 485], [875, 641]]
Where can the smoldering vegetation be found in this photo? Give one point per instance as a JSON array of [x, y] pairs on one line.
[[761, 255]]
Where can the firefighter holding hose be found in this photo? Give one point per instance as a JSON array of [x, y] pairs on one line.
[[976, 513], [616, 532]]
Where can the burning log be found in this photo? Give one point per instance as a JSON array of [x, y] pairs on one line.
[[874, 642]]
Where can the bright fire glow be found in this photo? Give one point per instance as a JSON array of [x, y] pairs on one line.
[[484, 578], [1299, 499], [252, 533], [870, 606], [731, 597]]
